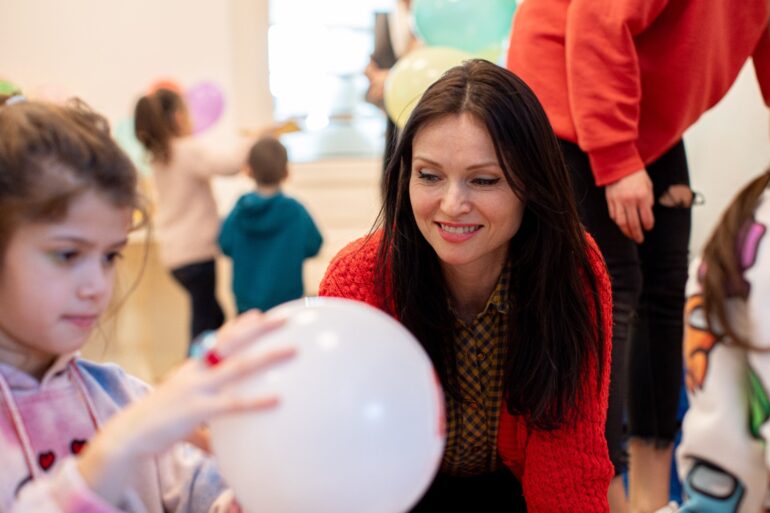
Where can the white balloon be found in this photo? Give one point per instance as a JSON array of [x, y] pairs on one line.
[[360, 425]]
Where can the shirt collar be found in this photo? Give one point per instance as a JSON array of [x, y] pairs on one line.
[[20, 380], [500, 297], [499, 300]]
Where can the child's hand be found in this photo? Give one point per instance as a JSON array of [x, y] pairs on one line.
[[196, 392], [200, 438]]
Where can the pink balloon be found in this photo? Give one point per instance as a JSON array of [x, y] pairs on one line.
[[206, 104]]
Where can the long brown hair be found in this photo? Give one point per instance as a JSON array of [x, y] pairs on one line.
[[556, 329], [155, 122], [49, 154], [722, 275]]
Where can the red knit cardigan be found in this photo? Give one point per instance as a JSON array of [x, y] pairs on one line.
[[567, 469]]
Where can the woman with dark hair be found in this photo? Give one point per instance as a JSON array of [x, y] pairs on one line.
[[482, 256], [77, 435]]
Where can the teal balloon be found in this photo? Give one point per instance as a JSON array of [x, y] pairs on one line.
[[469, 25], [9, 88], [126, 138]]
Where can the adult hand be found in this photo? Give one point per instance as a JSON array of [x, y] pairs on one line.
[[630, 202], [376, 75], [193, 394]]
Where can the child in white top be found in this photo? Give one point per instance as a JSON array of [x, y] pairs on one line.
[[186, 213], [723, 458], [76, 436]]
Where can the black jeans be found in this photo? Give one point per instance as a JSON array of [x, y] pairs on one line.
[[200, 282], [491, 493], [648, 282]]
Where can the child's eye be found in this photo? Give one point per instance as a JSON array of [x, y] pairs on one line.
[[485, 182], [426, 176], [65, 256], [111, 257]]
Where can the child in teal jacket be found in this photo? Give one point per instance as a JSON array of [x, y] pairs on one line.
[[268, 235]]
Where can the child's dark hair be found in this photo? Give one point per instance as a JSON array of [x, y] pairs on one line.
[[50, 154], [268, 161], [723, 273], [156, 122]]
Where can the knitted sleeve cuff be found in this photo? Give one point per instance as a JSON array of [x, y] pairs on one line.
[[611, 163]]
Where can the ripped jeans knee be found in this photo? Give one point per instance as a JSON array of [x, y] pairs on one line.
[[680, 196]]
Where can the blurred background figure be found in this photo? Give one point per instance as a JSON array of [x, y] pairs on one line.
[[186, 215], [393, 38], [268, 235]]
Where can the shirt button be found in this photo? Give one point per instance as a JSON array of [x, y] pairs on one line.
[[474, 405], [480, 356]]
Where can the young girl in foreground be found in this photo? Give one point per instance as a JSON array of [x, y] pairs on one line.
[[75, 435], [723, 458]]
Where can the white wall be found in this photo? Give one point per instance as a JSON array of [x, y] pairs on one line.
[[727, 147], [109, 52]]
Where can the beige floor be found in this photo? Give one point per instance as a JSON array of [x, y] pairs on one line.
[[148, 333]]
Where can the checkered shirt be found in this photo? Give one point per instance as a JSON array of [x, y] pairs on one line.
[[473, 409]]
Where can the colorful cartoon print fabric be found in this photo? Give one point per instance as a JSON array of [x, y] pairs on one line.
[[723, 458]]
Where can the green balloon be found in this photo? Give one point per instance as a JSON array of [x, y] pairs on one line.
[[126, 138], [9, 88], [469, 25]]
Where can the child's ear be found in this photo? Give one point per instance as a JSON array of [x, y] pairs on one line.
[[246, 170]]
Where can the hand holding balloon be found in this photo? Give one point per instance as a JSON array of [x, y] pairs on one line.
[[360, 424], [195, 393]]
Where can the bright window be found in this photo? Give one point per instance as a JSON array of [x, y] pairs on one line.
[[317, 54]]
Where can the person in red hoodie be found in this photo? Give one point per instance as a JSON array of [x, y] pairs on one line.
[[482, 256], [621, 81]]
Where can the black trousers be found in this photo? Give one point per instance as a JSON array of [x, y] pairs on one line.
[[648, 282], [491, 493], [200, 282]]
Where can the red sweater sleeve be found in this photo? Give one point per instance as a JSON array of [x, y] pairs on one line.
[[604, 82], [568, 469], [761, 58], [351, 273]]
